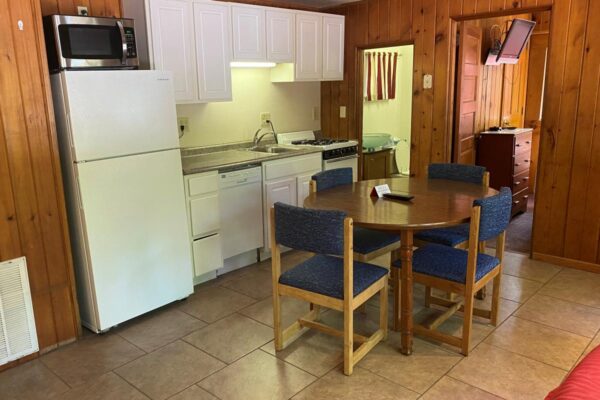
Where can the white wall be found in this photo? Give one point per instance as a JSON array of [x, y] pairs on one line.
[[393, 116], [290, 104]]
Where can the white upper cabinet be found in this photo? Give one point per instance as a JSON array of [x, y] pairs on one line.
[[281, 36], [212, 33], [172, 44], [309, 54], [333, 47], [249, 33]]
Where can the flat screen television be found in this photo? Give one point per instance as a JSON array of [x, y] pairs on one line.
[[516, 39]]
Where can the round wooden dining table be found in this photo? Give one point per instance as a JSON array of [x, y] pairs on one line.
[[437, 203]]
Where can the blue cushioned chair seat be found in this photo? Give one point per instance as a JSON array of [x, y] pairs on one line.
[[367, 240], [451, 236], [325, 275], [448, 263]]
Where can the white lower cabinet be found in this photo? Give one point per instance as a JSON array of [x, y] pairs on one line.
[[202, 198], [287, 181]]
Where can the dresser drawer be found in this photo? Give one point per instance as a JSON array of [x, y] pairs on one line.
[[519, 203], [522, 163], [520, 181], [523, 143]]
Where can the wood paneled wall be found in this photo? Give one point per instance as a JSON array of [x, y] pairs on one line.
[[567, 217], [96, 8], [32, 210]]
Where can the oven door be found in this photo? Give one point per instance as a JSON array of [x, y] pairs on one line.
[[343, 162], [89, 42]]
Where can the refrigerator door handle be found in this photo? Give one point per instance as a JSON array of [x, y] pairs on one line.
[[123, 42]]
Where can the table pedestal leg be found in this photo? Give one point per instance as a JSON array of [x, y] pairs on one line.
[[406, 292]]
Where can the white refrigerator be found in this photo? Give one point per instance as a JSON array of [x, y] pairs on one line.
[[121, 167]]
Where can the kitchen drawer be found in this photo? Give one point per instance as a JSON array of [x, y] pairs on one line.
[[523, 142], [204, 212], [203, 183], [522, 163], [520, 181], [292, 166], [207, 254], [519, 203]]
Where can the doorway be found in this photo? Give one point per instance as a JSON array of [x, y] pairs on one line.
[[386, 110], [488, 97]]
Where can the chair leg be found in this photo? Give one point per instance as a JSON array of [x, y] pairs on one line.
[[383, 310], [481, 294], [396, 287], [427, 296], [348, 341], [277, 320], [317, 307], [467, 323], [496, 298]]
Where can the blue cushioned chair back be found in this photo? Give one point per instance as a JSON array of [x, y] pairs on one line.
[[495, 214], [457, 172], [333, 178], [316, 231]]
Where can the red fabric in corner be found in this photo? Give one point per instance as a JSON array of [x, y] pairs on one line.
[[583, 383]]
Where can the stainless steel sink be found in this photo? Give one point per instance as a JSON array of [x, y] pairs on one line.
[[271, 149]]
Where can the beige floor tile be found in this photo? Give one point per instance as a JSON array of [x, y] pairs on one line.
[[193, 393], [417, 372], [159, 328], [231, 338], [91, 357], [262, 311], [257, 376], [169, 369], [507, 374], [518, 289], [107, 386], [539, 342], [574, 285], [256, 284], [505, 310], [566, 315], [30, 381], [314, 352], [520, 265], [362, 384], [213, 303], [450, 389], [593, 344]]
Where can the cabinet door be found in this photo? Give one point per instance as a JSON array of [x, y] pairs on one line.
[[207, 254], [249, 33], [309, 47], [283, 191], [303, 188], [205, 215], [280, 36], [172, 47], [212, 25], [333, 48]]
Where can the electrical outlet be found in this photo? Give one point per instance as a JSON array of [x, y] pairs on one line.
[[315, 113], [82, 10], [264, 117], [427, 81], [183, 121], [342, 111]]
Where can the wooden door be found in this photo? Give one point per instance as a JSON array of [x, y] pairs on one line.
[[173, 46], [467, 93]]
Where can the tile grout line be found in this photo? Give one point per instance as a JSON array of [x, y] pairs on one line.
[[554, 327]]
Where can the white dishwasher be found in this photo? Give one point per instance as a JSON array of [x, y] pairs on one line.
[[240, 195]]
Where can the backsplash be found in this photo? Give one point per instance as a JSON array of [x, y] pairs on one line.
[[291, 106]]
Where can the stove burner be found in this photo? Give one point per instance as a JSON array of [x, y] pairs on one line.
[[319, 142]]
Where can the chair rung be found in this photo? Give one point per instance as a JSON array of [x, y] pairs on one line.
[[368, 345], [438, 336], [446, 303], [329, 330], [447, 314]]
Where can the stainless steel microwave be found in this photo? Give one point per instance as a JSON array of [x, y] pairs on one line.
[[77, 42]]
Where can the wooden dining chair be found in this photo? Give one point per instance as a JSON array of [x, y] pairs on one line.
[[454, 236], [368, 244], [331, 278], [463, 271]]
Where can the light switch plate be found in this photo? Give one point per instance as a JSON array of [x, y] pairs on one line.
[[342, 111], [427, 81]]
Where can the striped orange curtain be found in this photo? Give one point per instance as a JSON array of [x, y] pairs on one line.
[[380, 76]]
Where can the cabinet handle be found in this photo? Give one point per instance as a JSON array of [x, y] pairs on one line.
[[518, 145], [528, 142], [517, 165], [517, 183], [526, 178]]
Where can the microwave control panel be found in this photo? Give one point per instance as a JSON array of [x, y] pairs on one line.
[[130, 37]]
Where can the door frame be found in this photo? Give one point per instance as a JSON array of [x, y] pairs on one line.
[[359, 57]]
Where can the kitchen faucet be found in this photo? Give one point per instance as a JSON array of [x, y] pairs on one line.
[[257, 138]]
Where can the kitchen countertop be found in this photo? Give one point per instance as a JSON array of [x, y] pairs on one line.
[[232, 158]]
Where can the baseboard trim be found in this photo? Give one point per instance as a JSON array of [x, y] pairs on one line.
[[567, 262]]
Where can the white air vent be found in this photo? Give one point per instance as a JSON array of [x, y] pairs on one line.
[[18, 337]]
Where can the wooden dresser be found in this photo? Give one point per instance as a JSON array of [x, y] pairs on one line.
[[378, 164], [507, 156]]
